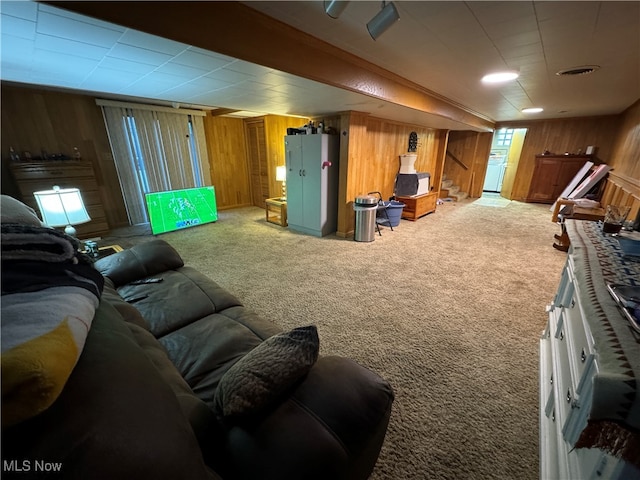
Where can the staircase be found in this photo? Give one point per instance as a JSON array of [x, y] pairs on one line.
[[449, 190]]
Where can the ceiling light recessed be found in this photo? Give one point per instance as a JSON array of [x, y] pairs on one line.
[[584, 70], [499, 77], [532, 110]]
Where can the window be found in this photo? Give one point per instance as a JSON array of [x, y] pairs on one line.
[[155, 149], [504, 137]]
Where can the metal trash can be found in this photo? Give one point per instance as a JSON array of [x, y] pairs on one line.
[[365, 207]]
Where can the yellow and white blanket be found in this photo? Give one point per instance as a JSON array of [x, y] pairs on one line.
[[49, 296]]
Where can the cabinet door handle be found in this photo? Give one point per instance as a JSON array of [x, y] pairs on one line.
[[568, 395], [551, 380], [553, 415], [583, 356], [561, 335], [300, 172]]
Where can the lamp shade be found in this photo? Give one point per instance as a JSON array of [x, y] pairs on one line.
[[62, 207], [281, 173]]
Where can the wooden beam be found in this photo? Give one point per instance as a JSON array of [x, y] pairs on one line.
[[218, 112]]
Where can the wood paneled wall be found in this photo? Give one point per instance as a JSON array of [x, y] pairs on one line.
[[36, 119], [266, 151], [275, 128], [369, 159], [560, 136], [227, 152], [472, 149], [623, 182]]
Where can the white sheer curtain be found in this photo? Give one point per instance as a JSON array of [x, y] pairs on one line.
[[155, 149]]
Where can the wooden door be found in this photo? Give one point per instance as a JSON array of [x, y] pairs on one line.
[[513, 159], [258, 168]]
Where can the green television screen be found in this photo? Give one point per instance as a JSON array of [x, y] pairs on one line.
[[177, 209]]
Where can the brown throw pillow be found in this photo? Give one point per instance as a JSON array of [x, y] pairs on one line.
[[261, 378]]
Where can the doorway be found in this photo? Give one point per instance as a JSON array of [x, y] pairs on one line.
[[502, 165]]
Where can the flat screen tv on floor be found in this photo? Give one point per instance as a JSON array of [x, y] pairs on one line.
[[178, 209]]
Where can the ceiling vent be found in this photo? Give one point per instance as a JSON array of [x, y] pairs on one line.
[[578, 70]]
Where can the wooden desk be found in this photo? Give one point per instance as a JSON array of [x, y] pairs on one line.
[[276, 211]]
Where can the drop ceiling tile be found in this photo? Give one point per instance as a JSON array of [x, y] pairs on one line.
[[109, 80], [65, 27], [207, 83], [17, 27], [212, 54], [14, 50], [518, 40], [23, 10], [70, 47], [152, 42], [51, 9], [141, 55], [127, 66], [196, 59], [230, 76], [67, 65], [493, 14], [188, 73], [193, 89], [149, 86], [249, 68]]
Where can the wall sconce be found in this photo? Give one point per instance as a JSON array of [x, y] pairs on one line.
[[334, 8], [281, 176], [62, 207], [383, 20]]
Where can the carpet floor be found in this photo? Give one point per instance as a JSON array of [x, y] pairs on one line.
[[449, 309]]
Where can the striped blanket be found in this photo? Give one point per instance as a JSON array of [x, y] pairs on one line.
[[50, 293]]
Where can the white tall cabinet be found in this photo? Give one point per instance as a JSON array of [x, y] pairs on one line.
[[312, 183]]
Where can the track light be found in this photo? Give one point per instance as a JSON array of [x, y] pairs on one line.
[[383, 20], [334, 8]]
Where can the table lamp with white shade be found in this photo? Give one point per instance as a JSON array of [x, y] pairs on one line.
[[281, 176], [62, 207]]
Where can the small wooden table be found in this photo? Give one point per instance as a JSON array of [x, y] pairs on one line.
[[418, 205], [276, 211], [576, 213]]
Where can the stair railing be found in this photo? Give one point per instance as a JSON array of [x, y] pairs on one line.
[[457, 160]]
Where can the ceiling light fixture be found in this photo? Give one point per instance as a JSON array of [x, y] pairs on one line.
[[532, 110], [334, 8], [383, 20], [500, 77]]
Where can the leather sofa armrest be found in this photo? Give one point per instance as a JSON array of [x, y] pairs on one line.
[[332, 426], [140, 261]]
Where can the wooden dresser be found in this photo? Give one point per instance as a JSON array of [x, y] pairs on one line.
[[590, 366], [43, 175], [418, 205], [552, 174]]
